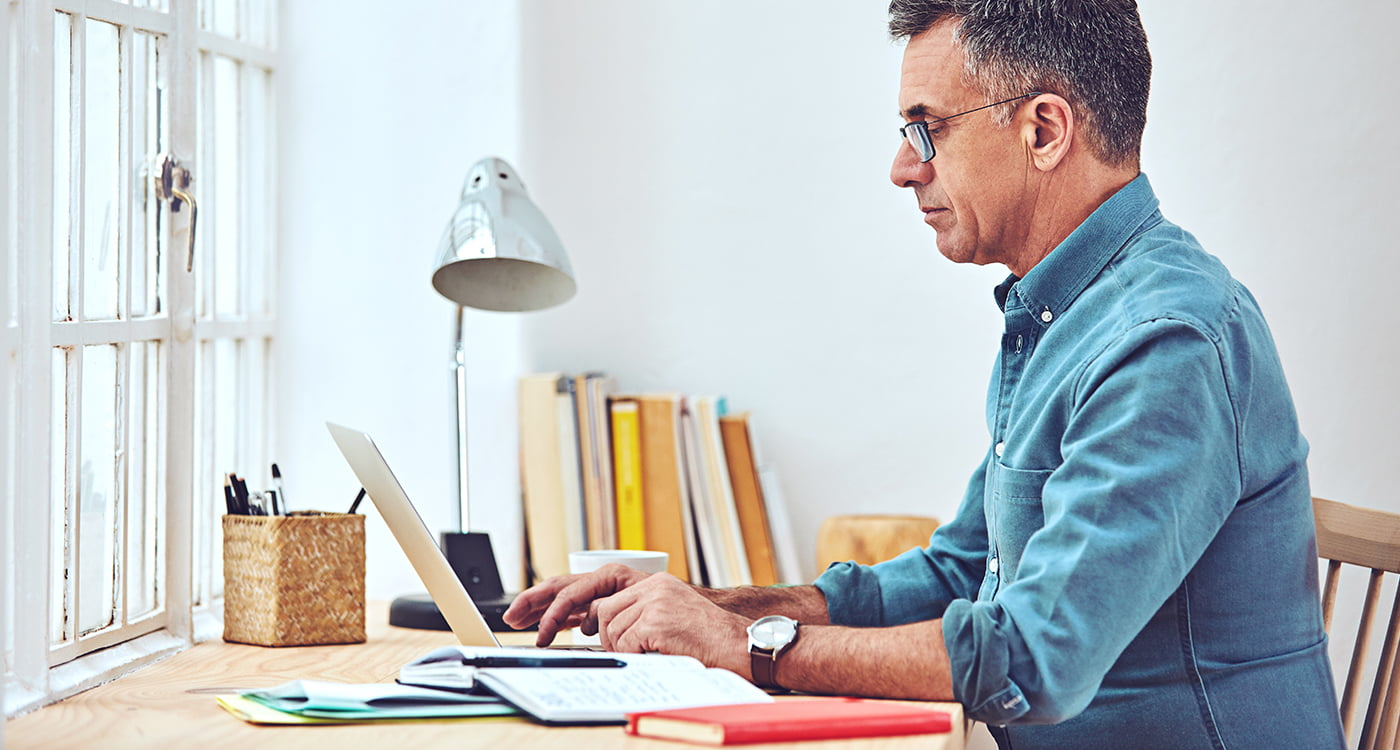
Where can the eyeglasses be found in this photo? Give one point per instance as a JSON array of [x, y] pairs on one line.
[[917, 132]]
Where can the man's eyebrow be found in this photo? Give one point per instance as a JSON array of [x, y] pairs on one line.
[[916, 111]]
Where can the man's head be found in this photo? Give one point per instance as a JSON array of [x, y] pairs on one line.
[[1011, 181], [1091, 52]]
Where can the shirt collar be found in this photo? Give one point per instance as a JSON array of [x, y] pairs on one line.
[[1052, 284]]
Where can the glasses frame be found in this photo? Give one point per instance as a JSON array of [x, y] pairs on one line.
[[916, 132]]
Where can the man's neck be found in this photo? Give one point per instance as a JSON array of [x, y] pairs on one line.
[[1062, 202]]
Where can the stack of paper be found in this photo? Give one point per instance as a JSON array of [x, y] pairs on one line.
[[313, 702]]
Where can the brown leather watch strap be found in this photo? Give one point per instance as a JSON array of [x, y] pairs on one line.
[[764, 665]]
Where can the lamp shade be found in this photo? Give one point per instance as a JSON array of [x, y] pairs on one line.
[[499, 251]]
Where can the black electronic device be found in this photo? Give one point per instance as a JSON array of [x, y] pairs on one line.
[[474, 561]]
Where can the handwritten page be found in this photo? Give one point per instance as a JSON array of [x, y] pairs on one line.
[[606, 696]]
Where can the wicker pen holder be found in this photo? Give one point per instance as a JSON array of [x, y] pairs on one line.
[[295, 580]]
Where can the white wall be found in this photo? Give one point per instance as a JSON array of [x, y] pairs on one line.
[[718, 173], [383, 108]]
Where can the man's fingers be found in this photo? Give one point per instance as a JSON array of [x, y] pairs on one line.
[[528, 605], [618, 633], [572, 599], [555, 603]]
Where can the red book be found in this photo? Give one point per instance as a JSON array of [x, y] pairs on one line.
[[782, 721]]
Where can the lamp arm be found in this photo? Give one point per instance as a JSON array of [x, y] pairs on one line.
[[459, 377]]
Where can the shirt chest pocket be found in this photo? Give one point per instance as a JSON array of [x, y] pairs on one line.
[[1014, 512]]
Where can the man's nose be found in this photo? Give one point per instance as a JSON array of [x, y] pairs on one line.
[[907, 170]]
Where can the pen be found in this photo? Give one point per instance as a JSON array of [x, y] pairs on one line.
[[229, 500], [483, 662], [281, 491], [272, 503], [358, 498]]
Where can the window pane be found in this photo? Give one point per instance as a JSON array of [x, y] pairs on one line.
[[260, 15], [11, 226], [219, 16], [204, 473], [62, 160], [60, 506], [259, 183], [148, 127], [218, 435], [101, 170], [145, 485], [256, 407], [225, 399], [100, 518], [227, 206], [9, 411]]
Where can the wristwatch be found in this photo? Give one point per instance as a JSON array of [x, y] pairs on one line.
[[768, 636]]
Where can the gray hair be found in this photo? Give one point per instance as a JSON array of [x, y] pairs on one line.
[[1091, 52]]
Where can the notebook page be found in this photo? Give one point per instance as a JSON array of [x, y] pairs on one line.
[[607, 695]]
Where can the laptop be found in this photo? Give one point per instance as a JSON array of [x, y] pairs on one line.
[[463, 617]]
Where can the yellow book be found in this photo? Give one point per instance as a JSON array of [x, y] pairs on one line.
[[665, 491], [627, 474]]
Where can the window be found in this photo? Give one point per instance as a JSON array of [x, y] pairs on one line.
[[136, 337]]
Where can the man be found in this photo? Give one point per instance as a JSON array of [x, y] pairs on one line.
[[1133, 564]]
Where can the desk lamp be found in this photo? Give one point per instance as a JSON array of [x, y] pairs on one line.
[[499, 253]]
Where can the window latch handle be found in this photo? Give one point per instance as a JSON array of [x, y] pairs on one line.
[[172, 184]]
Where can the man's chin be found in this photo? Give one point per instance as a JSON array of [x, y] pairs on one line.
[[958, 252]]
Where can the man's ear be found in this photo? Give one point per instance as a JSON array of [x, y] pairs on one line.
[[1049, 127]]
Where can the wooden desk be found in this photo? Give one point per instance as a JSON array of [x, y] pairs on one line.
[[167, 706]]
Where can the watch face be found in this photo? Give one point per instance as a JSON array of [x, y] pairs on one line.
[[773, 631]]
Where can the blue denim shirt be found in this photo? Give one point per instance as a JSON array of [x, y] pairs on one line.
[[1134, 562]]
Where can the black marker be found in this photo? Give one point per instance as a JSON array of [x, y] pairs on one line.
[[358, 498], [281, 491], [240, 492]]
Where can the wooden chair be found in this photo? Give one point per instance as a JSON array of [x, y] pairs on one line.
[[868, 539], [1370, 539]]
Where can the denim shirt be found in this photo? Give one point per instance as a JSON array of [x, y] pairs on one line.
[[1134, 562]]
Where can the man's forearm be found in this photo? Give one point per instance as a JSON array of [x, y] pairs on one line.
[[904, 661], [806, 604]]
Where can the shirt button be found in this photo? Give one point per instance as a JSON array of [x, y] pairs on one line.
[[999, 449], [992, 565], [1046, 316]]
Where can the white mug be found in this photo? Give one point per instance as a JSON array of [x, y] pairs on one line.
[[587, 561]]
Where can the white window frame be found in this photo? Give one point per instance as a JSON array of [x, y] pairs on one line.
[[39, 673], [9, 339]]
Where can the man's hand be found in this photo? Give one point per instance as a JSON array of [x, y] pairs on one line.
[[632, 611], [564, 602], [666, 615]]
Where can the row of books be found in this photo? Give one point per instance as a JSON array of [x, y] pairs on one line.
[[669, 472]]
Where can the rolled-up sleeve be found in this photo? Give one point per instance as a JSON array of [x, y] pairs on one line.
[[919, 584], [1150, 470]]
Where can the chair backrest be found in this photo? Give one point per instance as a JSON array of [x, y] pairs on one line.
[[1369, 539], [868, 539]]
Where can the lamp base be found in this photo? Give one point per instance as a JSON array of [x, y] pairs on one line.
[[418, 611], [473, 560]]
